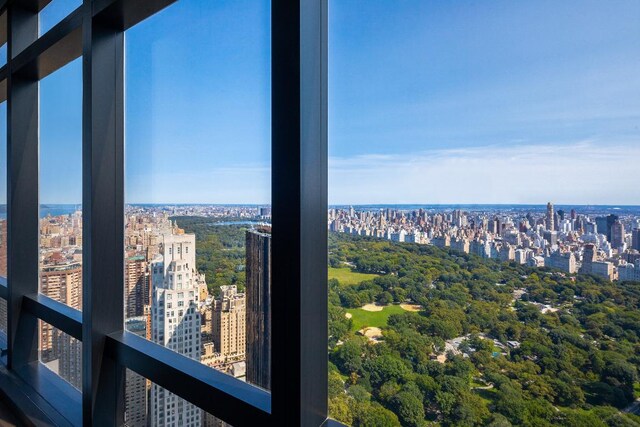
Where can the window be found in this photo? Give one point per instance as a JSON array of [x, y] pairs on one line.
[[61, 193], [483, 207], [178, 142], [55, 11], [71, 62]]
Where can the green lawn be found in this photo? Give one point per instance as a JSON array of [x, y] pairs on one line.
[[362, 318], [346, 276]]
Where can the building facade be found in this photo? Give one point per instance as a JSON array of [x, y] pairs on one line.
[[136, 286], [258, 271], [228, 323], [175, 321]]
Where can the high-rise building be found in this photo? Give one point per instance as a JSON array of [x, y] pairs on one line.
[[550, 217], [228, 323], [258, 279], [605, 223], [589, 257], [590, 253], [61, 280], [617, 234], [137, 387], [175, 320], [136, 286], [551, 237], [635, 239], [70, 357]]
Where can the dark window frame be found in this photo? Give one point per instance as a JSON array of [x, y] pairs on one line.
[[95, 32]]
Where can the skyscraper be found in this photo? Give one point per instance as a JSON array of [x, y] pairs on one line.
[[136, 286], [617, 234], [258, 270], [228, 323], [550, 217], [61, 280], [605, 223], [589, 257], [635, 239], [175, 320]]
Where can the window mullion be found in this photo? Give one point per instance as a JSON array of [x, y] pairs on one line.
[[22, 201], [103, 224]]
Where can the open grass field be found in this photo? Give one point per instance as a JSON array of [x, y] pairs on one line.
[[346, 276], [362, 318]]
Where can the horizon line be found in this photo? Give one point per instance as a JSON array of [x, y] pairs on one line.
[[356, 204]]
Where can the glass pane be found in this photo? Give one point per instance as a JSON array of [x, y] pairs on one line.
[[3, 211], [198, 190], [137, 387], [61, 185], [61, 353], [143, 397], [55, 12], [136, 400], [3, 54], [3, 47], [484, 207]]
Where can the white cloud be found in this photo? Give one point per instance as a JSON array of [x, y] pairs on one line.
[[585, 172]]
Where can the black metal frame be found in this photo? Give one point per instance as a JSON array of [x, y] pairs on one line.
[[95, 31]]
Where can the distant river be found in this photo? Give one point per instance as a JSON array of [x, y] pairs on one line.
[[53, 210]]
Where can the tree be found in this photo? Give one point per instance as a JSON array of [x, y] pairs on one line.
[[582, 419], [499, 420], [348, 357], [340, 410], [385, 298], [336, 385], [469, 411], [359, 393], [387, 367], [374, 415], [509, 402], [409, 409]]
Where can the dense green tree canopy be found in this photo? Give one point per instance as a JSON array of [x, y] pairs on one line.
[[534, 347]]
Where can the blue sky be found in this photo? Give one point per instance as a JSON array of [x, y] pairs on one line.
[[429, 102]]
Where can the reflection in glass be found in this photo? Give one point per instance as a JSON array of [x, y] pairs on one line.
[[61, 353]]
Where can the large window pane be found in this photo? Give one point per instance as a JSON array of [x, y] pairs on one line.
[[149, 404], [197, 234], [61, 353], [61, 185], [55, 12], [484, 212]]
